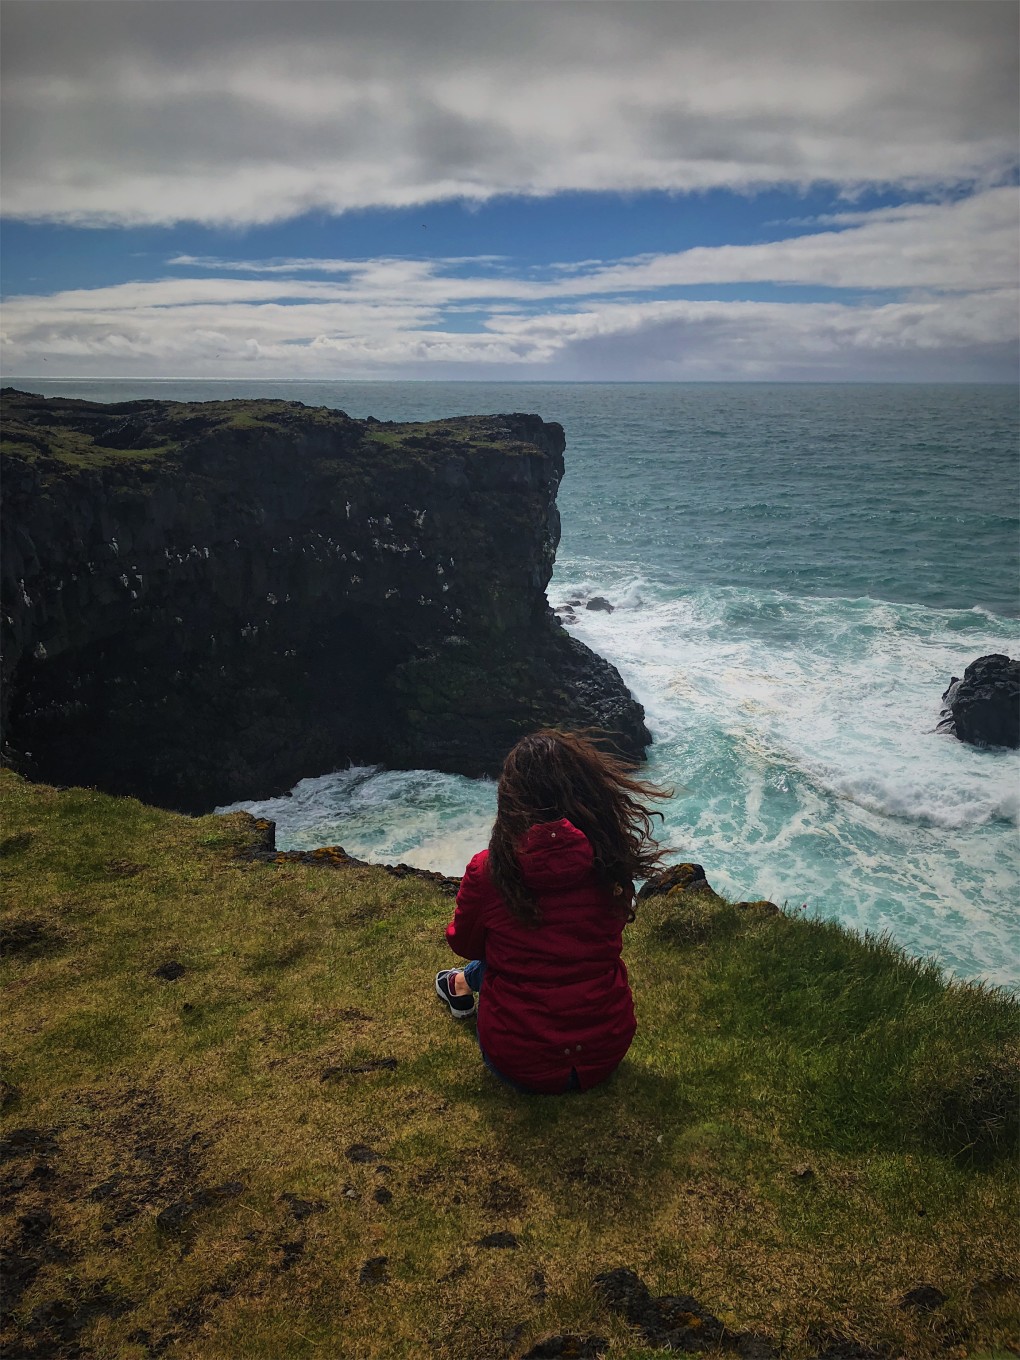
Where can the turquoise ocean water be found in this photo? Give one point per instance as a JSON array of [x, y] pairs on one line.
[[796, 572]]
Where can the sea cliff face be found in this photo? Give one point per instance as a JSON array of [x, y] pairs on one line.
[[203, 602]]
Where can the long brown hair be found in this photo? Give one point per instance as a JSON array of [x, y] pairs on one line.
[[553, 774]]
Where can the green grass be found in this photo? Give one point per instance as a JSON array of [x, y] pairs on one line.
[[473, 433], [808, 1124], [71, 449], [65, 448]]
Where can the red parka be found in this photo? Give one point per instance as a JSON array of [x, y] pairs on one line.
[[555, 996]]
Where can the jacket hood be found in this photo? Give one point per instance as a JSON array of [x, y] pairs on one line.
[[554, 855]]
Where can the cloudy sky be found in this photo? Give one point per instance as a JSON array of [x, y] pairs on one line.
[[511, 189]]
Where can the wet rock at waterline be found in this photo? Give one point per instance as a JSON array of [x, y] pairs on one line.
[[983, 708]]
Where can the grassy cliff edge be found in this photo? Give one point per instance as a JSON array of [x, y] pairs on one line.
[[238, 1123]]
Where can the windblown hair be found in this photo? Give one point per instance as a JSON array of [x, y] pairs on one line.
[[551, 775]]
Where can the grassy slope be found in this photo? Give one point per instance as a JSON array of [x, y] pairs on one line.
[[778, 1142]]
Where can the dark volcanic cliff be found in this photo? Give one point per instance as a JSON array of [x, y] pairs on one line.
[[206, 602]]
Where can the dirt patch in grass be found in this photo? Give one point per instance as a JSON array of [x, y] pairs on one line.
[[29, 937], [15, 845], [675, 1322]]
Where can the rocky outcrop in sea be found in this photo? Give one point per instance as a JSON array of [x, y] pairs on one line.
[[983, 708], [210, 601]]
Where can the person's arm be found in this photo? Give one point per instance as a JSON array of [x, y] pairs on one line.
[[466, 932]]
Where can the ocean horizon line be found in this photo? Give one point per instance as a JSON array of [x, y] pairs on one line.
[[535, 382]]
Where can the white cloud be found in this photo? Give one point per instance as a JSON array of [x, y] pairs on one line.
[[236, 112], [963, 245], [752, 340], [961, 336], [949, 269]]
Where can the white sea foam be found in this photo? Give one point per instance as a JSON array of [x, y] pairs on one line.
[[418, 817], [805, 729]]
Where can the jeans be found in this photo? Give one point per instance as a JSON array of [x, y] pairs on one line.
[[474, 974]]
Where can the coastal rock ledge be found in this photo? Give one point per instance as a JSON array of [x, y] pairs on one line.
[[209, 601]]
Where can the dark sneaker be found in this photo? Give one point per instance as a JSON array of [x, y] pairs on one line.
[[460, 1006]]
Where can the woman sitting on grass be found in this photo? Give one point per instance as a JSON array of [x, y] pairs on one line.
[[541, 915]]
